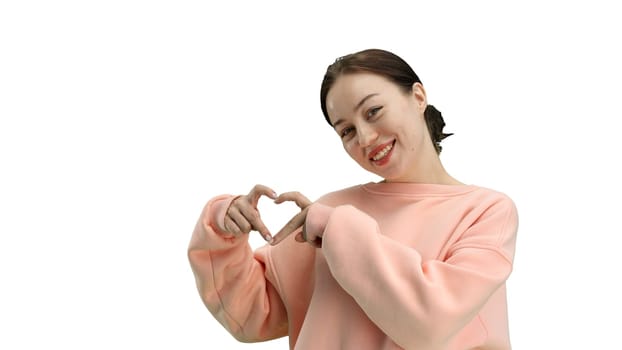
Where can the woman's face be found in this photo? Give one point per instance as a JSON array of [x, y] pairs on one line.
[[381, 127]]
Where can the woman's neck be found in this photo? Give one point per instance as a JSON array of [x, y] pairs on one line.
[[430, 171]]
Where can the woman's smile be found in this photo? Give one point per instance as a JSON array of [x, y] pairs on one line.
[[382, 154]]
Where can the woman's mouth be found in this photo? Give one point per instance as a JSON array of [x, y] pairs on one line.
[[381, 154]]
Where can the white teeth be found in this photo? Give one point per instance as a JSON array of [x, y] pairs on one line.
[[383, 152]]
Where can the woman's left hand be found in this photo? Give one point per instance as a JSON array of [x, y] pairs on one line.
[[297, 221]]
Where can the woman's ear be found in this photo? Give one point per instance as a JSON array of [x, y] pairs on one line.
[[419, 94]]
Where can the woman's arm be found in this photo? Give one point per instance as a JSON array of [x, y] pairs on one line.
[[416, 302], [233, 281]]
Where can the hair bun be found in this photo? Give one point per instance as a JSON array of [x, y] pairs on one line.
[[436, 123]]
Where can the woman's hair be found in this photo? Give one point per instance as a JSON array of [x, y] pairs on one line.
[[390, 66]]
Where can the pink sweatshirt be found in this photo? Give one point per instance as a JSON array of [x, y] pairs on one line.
[[402, 266]]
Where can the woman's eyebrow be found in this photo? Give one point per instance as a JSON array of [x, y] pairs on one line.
[[363, 101]]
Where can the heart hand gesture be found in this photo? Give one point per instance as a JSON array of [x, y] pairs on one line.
[[243, 215]]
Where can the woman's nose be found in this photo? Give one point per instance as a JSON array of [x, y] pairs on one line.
[[366, 135]]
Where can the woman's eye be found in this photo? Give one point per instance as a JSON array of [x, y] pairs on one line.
[[346, 131], [373, 111]]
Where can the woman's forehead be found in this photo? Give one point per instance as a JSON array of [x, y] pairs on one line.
[[351, 91]]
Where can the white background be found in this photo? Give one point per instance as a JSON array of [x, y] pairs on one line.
[[120, 119]]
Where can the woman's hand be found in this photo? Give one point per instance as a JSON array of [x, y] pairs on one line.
[[243, 216], [297, 221]]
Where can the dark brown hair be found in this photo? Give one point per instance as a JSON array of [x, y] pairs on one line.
[[390, 66]]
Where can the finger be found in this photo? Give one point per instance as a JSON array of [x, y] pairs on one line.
[[297, 197], [295, 223], [252, 216], [239, 219], [232, 227], [258, 191]]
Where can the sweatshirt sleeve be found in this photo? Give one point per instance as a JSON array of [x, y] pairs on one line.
[[417, 303], [232, 280]]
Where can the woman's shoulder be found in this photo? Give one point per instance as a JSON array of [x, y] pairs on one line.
[[490, 200], [493, 193], [339, 196]]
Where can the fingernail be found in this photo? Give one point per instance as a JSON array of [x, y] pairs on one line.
[[268, 238]]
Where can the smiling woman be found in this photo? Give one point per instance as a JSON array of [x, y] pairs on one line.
[[416, 261], [385, 114]]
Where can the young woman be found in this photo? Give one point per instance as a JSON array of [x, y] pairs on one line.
[[416, 261]]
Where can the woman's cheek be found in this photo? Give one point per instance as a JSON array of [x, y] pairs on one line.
[[350, 149]]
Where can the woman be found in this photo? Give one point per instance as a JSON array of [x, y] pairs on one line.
[[416, 261]]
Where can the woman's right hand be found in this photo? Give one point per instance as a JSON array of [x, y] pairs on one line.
[[243, 216]]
